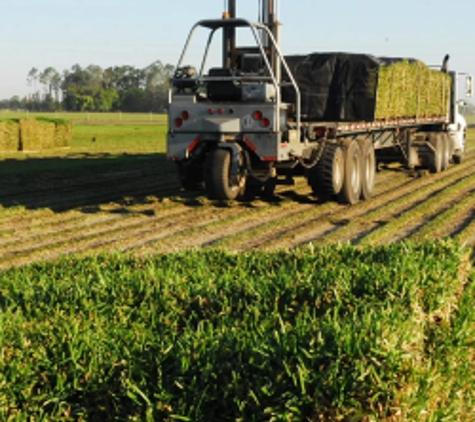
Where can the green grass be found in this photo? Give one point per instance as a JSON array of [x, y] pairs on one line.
[[91, 145], [119, 139], [212, 336], [86, 117], [470, 119]]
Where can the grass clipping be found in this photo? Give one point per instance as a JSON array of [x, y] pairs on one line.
[[412, 90], [34, 134]]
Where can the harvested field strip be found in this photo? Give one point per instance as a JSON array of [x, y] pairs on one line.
[[439, 200], [361, 224], [467, 235], [460, 213], [210, 232], [345, 221], [156, 229], [30, 221], [53, 228], [82, 194], [53, 244], [277, 227]]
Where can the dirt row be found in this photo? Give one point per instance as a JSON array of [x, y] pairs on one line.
[[138, 207]]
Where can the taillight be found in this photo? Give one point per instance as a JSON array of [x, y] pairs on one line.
[[221, 111], [265, 122], [320, 131], [178, 122], [257, 115], [185, 115], [211, 111]]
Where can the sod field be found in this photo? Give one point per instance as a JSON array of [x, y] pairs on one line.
[[123, 297], [115, 190], [330, 334]]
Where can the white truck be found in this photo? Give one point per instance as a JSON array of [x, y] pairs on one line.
[[259, 119]]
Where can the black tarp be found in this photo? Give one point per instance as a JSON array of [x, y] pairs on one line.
[[335, 86]]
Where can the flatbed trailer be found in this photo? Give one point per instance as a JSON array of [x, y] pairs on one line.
[[234, 133]]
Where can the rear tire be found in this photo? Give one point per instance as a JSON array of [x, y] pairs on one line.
[[436, 158], [326, 179], [368, 167], [457, 156], [446, 153], [351, 191], [219, 182]]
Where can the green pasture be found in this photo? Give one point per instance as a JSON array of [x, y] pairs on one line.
[[470, 119], [327, 334], [85, 117], [104, 138]]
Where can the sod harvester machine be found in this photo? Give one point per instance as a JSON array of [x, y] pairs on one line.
[[245, 118]]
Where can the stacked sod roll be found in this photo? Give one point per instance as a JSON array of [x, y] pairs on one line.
[[9, 135], [411, 89], [34, 134], [360, 87]]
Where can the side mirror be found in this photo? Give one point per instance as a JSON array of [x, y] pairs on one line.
[[469, 87]]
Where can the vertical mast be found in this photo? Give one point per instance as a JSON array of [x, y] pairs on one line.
[[270, 19], [229, 37]]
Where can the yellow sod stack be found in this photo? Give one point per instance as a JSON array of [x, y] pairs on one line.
[[412, 90], [34, 134], [63, 134], [9, 136]]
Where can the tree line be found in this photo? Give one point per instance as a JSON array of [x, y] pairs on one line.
[[92, 88]]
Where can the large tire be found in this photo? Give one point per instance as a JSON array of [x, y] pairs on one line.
[[446, 152], [436, 158], [457, 156], [219, 183], [326, 179], [351, 190], [368, 167]]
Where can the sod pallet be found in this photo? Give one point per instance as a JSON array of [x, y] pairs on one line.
[[411, 89], [9, 136], [361, 87], [39, 134], [34, 134]]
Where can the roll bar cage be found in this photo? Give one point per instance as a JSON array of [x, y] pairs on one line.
[[275, 77]]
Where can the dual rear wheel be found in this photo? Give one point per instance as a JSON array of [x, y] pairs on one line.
[[441, 153], [346, 172]]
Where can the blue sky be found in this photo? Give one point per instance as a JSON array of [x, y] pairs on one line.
[[61, 33]]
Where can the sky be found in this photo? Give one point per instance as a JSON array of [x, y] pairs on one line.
[[61, 33]]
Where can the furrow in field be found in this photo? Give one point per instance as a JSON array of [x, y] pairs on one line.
[[449, 222], [365, 217], [55, 244], [208, 234], [361, 218], [149, 234], [49, 227], [466, 234], [99, 236], [67, 198], [40, 224], [397, 228], [269, 231], [254, 213]]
